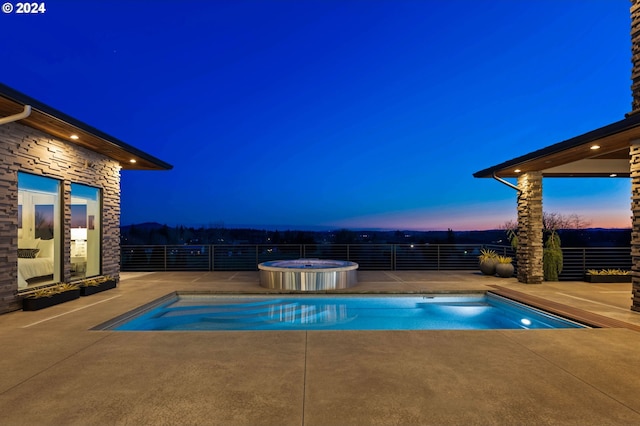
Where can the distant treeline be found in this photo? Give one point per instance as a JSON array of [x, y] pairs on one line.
[[158, 234]]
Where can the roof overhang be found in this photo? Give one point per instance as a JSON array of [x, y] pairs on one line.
[[603, 152], [62, 126]]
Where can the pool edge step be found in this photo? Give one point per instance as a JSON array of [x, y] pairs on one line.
[[580, 315]]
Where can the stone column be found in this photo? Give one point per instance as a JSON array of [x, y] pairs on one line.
[[634, 154], [530, 247], [635, 56]]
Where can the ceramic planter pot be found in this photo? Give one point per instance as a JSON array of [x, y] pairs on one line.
[[488, 267], [92, 289], [504, 270], [30, 304]]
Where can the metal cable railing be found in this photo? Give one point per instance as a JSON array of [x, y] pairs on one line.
[[385, 257], [577, 260]]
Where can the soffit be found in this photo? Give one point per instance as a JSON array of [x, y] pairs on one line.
[[575, 158], [62, 126]]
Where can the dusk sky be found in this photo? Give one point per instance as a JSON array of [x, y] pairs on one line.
[[333, 113]]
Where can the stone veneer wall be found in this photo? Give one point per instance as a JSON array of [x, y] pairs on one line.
[[634, 154], [530, 248], [28, 150], [635, 56]]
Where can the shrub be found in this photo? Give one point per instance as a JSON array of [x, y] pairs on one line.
[[552, 258]]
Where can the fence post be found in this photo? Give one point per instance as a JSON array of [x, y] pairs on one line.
[[394, 259], [164, 251]]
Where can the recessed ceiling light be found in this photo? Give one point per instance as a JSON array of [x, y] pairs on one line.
[[613, 175], [517, 170], [74, 137], [132, 160], [595, 147]]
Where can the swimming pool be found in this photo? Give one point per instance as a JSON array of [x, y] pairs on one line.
[[186, 312]]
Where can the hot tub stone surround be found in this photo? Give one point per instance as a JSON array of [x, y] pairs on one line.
[[28, 150]]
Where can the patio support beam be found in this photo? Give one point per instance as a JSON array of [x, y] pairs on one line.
[[530, 249], [634, 154]]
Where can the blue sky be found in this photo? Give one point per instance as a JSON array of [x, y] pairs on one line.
[[352, 113]]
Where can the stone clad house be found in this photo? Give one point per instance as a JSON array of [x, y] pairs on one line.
[[59, 197]]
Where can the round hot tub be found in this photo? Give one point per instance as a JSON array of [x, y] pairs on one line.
[[308, 274]]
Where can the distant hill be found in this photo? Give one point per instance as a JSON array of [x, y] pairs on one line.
[[143, 226], [160, 234]]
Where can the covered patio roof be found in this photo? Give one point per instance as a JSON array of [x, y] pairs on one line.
[[599, 153], [62, 126]]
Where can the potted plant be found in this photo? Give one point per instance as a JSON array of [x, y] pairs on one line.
[[488, 260], [49, 296], [504, 267], [96, 285], [607, 276]]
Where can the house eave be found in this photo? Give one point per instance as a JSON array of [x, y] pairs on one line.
[[61, 125], [566, 158]]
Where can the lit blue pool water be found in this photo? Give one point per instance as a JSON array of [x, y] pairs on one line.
[[205, 312]]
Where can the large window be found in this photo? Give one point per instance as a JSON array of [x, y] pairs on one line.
[[39, 230], [85, 231]]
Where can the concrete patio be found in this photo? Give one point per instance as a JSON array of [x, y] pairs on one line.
[[58, 371]]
